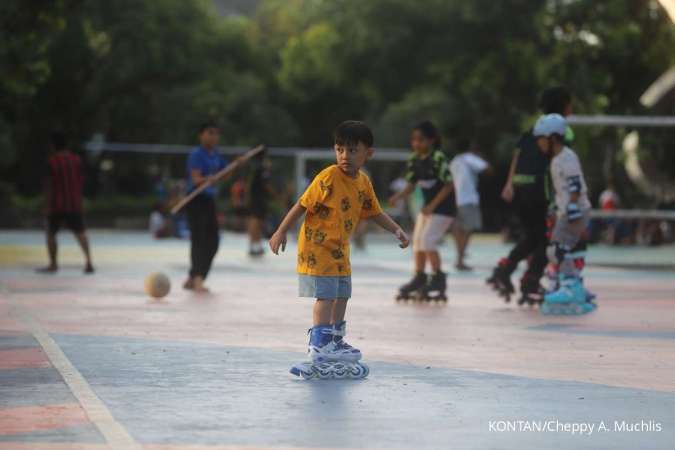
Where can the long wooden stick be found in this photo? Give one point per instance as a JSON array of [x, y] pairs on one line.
[[221, 175]]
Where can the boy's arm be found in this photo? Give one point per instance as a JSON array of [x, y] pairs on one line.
[[402, 194], [442, 194], [278, 239], [388, 224], [46, 188], [507, 192]]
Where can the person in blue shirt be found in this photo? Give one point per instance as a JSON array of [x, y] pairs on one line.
[[202, 164]]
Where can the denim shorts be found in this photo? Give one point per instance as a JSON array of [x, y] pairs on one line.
[[325, 287]]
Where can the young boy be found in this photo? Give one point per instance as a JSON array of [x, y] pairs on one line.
[[428, 168], [64, 199], [334, 203], [572, 211], [203, 162]]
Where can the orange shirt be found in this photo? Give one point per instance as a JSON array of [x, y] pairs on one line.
[[335, 203]]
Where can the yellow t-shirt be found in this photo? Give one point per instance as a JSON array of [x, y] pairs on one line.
[[335, 204]]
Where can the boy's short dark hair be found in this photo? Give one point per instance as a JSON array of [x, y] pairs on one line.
[[58, 139], [351, 132], [206, 125], [554, 100]]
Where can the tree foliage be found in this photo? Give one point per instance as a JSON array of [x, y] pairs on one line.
[[285, 75]]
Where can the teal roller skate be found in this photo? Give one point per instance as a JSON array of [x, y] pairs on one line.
[[569, 299]]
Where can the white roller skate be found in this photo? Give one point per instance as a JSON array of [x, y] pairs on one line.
[[344, 351], [331, 356], [569, 299]]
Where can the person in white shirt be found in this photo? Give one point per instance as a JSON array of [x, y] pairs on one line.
[[465, 168], [572, 214]]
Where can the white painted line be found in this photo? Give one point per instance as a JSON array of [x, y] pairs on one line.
[[117, 437]]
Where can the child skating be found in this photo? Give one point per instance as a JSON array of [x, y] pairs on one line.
[[333, 204], [428, 168], [572, 216]]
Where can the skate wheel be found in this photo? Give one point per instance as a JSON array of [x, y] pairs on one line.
[[339, 370], [324, 371], [307, 376], [304, 370], [359, 370]]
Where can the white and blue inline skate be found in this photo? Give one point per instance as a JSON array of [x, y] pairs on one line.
[[330, 356], [570, 298]]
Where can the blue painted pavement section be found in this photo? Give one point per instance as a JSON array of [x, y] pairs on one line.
[[187, 393]]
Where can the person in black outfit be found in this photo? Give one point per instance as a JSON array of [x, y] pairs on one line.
[[203, 162], [527, 189]]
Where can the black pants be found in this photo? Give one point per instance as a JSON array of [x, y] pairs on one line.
[[201, 213], [532, 240]]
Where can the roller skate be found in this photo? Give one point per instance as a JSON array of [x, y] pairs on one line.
[[434, 290], [412, 289], [330, 356], [347, 352], [553, 284], [590, 296], [531, 292], [492, 279], [568, 299], [501, 281]]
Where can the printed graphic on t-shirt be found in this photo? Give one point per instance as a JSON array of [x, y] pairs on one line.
[[334, 205]]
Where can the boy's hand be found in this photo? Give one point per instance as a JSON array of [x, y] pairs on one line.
[[402, 238], [278, 240], [393, 200], [507, 193]]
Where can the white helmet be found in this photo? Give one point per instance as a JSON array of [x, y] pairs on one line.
[[549, 124]]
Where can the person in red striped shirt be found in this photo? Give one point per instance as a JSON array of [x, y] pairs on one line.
[[63, 187]]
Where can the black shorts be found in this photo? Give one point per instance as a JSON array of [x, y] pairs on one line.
[[74, 221]]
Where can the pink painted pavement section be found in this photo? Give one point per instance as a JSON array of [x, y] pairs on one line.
[[23, 358], [25, 419], [474, 331]]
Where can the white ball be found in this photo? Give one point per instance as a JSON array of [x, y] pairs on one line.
[[157, 285]]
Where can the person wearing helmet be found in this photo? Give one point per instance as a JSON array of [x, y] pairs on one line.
[[572, 216]]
